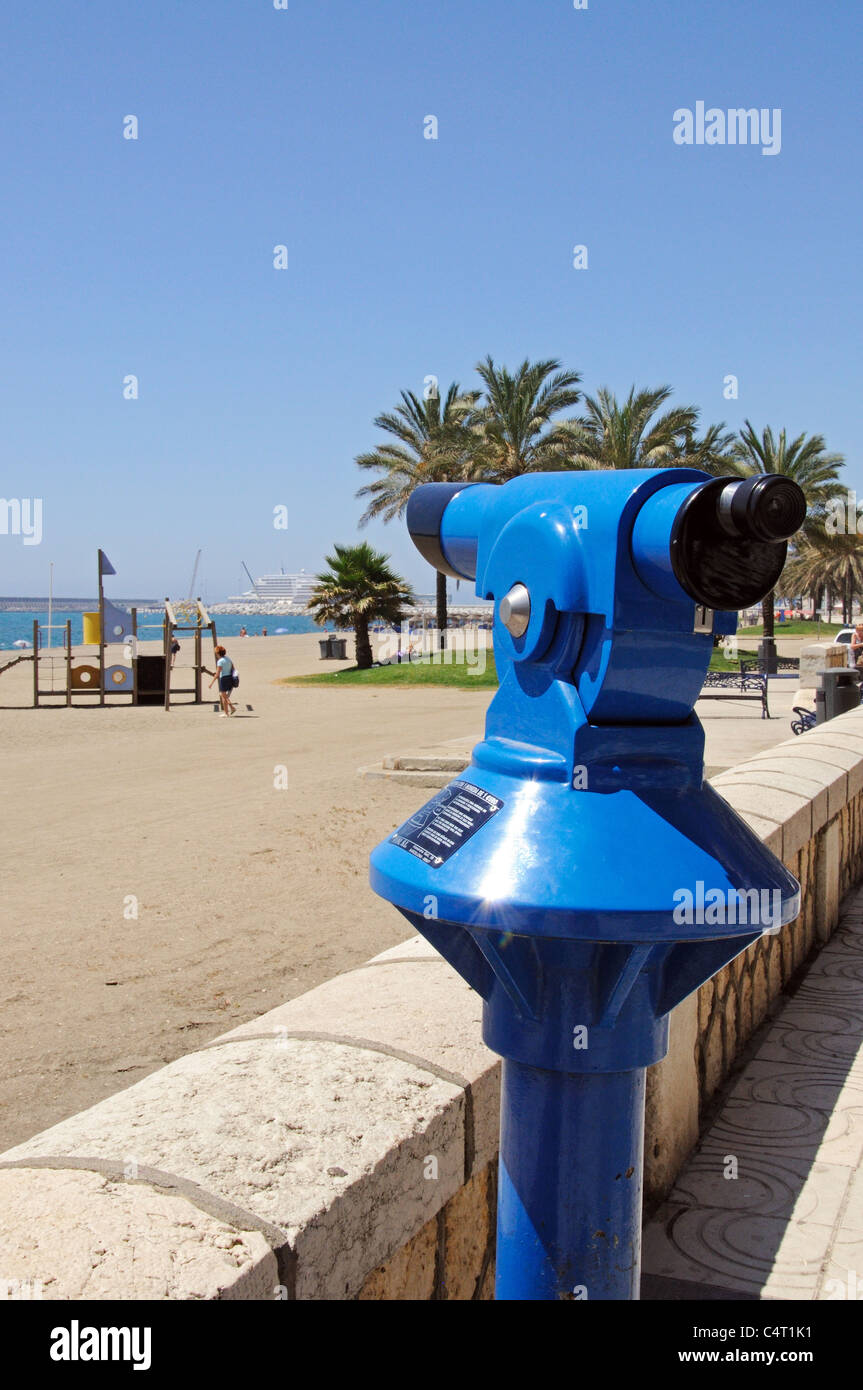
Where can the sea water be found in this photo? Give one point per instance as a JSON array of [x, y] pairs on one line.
[[16, 627]]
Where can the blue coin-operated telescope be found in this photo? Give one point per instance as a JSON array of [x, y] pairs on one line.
[[581, 875]]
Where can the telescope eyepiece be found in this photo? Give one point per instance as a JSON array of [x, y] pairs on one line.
[[764, 508], [425, 510], [728, 542]]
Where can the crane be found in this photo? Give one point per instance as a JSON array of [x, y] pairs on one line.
[[194, 576]]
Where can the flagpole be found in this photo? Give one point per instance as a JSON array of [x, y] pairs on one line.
[[101, 633]]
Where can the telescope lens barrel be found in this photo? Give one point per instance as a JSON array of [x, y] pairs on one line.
[[443, 520], [425, 509], [723, 541], [728, 541], [766, 508]]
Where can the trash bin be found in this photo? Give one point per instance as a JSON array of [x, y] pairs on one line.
[[838, 691], [326, 645], [339, 648]]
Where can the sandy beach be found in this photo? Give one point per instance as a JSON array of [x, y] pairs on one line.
[[246, 895]]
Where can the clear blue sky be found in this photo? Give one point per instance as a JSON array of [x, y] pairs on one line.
[[406, 256]]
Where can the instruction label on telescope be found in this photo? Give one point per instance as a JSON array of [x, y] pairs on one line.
[[442, 826]]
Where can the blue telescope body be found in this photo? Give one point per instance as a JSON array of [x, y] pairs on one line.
[[581, 875]]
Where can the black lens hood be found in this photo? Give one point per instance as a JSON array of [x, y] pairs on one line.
[[723, 570]]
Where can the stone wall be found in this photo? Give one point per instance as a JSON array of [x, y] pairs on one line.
[[343, 1146]]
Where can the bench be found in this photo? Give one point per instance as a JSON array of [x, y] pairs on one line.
[[788, 664], [737, 685]]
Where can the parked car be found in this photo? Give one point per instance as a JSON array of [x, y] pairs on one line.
[[845, 637]]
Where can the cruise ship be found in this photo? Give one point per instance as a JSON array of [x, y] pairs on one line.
[[281, 589], [289, 593]]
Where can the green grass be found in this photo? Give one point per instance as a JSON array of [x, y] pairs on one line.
[[816, 631], [458, 676], [719, 662]]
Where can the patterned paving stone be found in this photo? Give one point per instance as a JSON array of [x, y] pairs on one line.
[[736, 1250], [823, 1010], [799, 1040], [818, 1086], [853, 1213], [790, 1188], [793, 1131], [771, 1205], [844, 966], [849, 933], [843, 1276], [843, 1017]]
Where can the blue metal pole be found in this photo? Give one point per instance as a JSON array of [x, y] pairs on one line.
[[569, 1199]]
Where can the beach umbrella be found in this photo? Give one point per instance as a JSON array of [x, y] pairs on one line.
[[280, 631]]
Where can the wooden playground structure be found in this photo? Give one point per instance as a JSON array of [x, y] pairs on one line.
[[144, 677]]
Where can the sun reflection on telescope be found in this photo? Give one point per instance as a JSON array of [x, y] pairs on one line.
[[510, 859]]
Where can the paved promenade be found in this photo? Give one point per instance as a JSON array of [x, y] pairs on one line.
[[770, 1206]]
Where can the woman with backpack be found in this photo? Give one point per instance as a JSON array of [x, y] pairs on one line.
[[225, 673]]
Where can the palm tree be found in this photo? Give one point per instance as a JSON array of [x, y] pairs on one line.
[[359, 588], [714, 452], [514, 426], [434, 445], [611, 435], [828, 562], [806, 461]]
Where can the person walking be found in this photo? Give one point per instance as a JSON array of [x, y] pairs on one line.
[[225, 674]]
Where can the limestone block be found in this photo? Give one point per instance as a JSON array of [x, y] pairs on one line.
[[775, 978], [760, 992], [744, 1016], [415, 1006], [705, 1004], [327, 1142], [469, 1219], [79, 1235], [787, 813], [712, 1053], [486, 1292], [671, 1106], [787, 952], [721, 982], [785, 779], [833, 742], [409, 1275], [820, 656], [823, 767], [827, 882], [729, 1031]]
